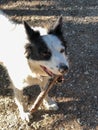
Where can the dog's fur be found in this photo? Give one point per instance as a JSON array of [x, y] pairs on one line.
[[32, 56]]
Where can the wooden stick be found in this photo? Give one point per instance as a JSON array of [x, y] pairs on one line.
[[42, 95]]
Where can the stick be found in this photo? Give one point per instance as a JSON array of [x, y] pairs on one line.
[[42, 95]]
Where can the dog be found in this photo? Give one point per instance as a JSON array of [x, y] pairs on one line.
[[32, 56]]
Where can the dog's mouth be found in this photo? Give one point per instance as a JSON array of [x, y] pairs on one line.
[[51, 74], [47, 71]]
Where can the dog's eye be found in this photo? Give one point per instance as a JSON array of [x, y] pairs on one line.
[[62, 50], [46, 54]]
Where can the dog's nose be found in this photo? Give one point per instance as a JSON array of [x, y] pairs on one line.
[[63, 68]]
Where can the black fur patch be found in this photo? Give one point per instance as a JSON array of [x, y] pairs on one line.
[[30, 32], [37, 50]]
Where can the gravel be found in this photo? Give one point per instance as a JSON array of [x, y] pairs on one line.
[[77, 97]]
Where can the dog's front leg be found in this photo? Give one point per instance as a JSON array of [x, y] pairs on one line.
[[48, 103], [22, 105]]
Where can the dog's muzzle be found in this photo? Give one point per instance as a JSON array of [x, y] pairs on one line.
[[63, 69]]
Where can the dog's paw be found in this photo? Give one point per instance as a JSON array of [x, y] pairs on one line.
[[50, 105], [25, 116]]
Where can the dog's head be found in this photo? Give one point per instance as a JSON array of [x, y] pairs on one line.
[[47, 53]]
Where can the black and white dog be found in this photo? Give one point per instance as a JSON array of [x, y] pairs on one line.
[[32, 56]]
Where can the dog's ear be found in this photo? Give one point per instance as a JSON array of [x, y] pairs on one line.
[[31, 34], [57, 28]]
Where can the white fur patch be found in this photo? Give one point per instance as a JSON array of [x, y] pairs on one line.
[[54, 44], [12, 41]]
